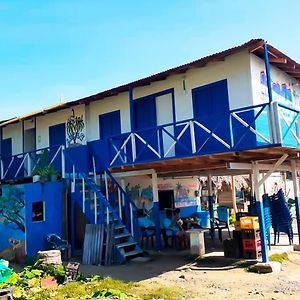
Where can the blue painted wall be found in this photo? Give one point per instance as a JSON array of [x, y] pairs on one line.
[[12, 203], [80, 156], [36, 232]]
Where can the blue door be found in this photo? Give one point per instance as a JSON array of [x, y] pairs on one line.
[[57, 135], [6, 148], [211, 109], [110, 124], [6, 152], [145, 122]]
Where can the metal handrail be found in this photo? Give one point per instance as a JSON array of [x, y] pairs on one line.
[[94, 188]]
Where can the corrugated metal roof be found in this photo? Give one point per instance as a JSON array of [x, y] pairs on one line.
[[255, 46]]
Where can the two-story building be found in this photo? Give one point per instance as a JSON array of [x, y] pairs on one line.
[[233, 112]]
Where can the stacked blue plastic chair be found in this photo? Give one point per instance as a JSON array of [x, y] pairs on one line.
[[252, 210], [281, 216]]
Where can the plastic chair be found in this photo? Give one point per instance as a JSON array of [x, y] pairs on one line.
[[147, 228], [220, 225], [169, 233]]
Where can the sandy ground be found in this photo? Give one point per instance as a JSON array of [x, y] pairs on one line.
[[204, 281], [214, 277]]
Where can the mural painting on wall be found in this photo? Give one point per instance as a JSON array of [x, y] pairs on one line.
[[185, 195], [284, 92], [184, 192], [142, 196], [75, 126], [12, 223]]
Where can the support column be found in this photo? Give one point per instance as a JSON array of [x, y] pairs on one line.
[[130, 96], [156, 211], [268, 73], [259, 204], [296, 195], [233, 194], [210, 205], [252, 197]]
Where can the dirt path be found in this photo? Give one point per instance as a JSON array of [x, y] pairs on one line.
[[202, 282], [214, 277]]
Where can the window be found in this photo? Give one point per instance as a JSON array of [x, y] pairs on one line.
[[38, 211], [110, 124]]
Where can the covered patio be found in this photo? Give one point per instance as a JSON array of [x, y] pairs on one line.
[[259, 164]]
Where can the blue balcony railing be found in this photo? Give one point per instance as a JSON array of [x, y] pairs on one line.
[[262, 125], [25, 164]]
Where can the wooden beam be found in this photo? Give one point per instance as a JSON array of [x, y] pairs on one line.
[[279, 60], [269, 173], [293, 72], [257, 46], [273, 54]]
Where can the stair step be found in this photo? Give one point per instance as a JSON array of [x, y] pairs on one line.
[[121, 235], [122, 245], [134, 252], [120, 226]]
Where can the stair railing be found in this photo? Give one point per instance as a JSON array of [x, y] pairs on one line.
[[123, 201], [94, 187], [128, 215]]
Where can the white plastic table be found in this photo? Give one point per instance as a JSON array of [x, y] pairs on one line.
[[197, 243]]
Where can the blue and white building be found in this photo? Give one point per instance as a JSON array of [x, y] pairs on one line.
[[233, 112]]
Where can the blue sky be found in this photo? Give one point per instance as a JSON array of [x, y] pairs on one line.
[[74, 48]]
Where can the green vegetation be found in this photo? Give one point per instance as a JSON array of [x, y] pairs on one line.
[[279, 257], [232, 218], [27, 286]]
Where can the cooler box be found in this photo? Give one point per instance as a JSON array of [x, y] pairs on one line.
[[249, 223], [204, 218]]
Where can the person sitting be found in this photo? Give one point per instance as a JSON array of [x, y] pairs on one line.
[[147, 227], [173, 225]]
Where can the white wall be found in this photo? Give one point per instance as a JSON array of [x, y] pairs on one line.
[[235, 68], [14, 131], [260, 92], [94, 109], [44, 122]]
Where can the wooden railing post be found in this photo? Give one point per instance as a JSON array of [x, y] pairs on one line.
[[274, 122], [63, 162], [28, 165], [133, 146], [193, 139], [83, 194]]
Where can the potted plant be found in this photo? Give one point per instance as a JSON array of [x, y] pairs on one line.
[[36, 177], [48, 173], [42, 163]]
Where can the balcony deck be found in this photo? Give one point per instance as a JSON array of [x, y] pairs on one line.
[[262, 132], [257, 133], [214, 164]]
